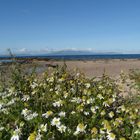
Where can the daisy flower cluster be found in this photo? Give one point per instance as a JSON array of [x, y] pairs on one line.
[[64, 106]]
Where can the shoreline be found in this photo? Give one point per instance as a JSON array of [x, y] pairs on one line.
[[91, 68]]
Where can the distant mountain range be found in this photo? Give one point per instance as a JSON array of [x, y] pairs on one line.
[[76, 52]]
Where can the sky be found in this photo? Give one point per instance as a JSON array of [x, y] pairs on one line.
[[46, 25]]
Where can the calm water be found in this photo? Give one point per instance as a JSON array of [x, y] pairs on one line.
[[82, 57], [90, 57], [6, 61]]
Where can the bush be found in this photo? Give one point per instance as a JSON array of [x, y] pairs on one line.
[[65, 106]]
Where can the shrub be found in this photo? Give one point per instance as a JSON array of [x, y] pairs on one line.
[[65, 106]]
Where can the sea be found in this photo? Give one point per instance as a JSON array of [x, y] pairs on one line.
[[76, 57]]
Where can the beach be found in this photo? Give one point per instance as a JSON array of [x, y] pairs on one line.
[[91, 68]]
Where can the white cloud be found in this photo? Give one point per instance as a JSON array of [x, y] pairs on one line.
[[45, 50], [23, 50], [75, 49]]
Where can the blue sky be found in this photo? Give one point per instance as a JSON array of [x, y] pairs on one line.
[[42, 25]]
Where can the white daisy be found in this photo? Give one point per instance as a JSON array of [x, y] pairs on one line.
[[86, 113], [87, 85], [43, 127], [62, 114], [55, 122], [111, 136], [80, 128], [100, 96], [111, 114], [62, 128], [93, 109], [47, 114], [15, 137], [58, 103]]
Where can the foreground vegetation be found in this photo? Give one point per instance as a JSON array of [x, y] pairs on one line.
[[66, 105]]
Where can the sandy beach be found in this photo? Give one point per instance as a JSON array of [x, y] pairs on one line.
[[111, 67]]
